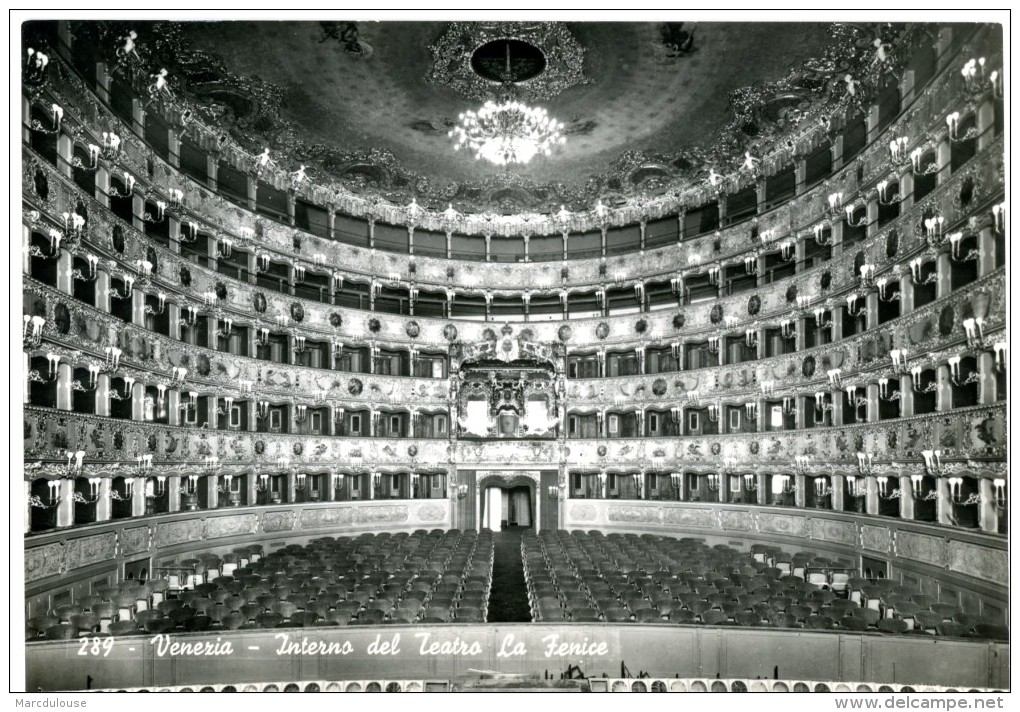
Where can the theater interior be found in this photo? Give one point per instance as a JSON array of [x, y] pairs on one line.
[[524, 355]]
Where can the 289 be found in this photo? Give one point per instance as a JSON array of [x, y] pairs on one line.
[[96, 646]]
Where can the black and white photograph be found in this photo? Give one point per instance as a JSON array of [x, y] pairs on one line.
[[570, 351]]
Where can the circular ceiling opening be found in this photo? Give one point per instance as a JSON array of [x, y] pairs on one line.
[[508, 60]]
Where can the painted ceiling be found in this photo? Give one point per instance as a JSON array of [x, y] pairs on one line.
[[369, 105]]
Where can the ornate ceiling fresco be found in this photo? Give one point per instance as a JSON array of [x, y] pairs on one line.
[[648, 108]]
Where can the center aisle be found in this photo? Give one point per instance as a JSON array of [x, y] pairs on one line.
[[508, 597]]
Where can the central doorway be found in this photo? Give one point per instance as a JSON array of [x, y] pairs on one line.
[[507, 507]]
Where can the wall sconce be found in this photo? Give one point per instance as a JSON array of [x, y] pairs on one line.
[[973, 73], [225, 327], [767, 388], [712, 482], [954, 373], [974, 329], [300, 413], [854, 488], [751, 410], [56, 114], [865, 463], [801, 463], [867, 275], [822, 488], [32, 332], [835, 204], [933, 462], [955, 240], [54, 496], [462, 491], [915, 161], [262, 337], [835, 376], [883, 194], [898, 151], [713, 274], [917, 489], [189, 317], [933, 228], [300, 344], [884, 393], [693, 398], [822, 402], [803, 302], [999, 487], [209, 298], [956, 493], [820, 321], [786, 329], [224, 247], [882, 284], [1001, 350], [225, 409], [789, 405], [751, 338], [262, 263], [554, 492], [713, 412], [883, 489], [849, 214], [999, 213], [262, 409], [676, 413], [751, 483], [787, 251], [819, 231], [851, 306], [750, 264]]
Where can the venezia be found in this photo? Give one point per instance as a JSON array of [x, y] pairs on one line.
[[165, 646]]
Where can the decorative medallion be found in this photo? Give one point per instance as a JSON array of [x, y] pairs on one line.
[[754, 305], [335, 320], [716, 448], [659, 386], [826, 280], [602, 330], [892, 244], [791, 294], [678, 321], [412, 329], [641, 326], [185, 276], [540, 59], [564, 333], [374, 325], [260, 447], [354, 387], [297, 312], [947, 319], [450, 332], [221, 290], [299, 448], [809, 367], [716, 315], [412, 450]]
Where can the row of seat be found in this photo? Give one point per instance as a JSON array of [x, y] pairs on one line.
[[586, 576], [424, 577]]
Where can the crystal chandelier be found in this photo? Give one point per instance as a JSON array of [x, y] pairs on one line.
[[507, 132]]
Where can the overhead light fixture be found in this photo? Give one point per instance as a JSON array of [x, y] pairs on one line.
[[507, 132]]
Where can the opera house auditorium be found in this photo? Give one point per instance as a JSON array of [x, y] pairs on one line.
[[438, 356]]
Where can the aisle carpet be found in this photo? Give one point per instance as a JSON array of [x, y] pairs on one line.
[[508, 598]]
